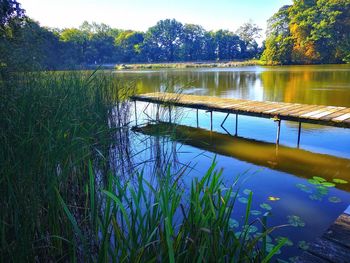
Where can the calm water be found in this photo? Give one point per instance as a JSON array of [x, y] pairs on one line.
[[278, 176]]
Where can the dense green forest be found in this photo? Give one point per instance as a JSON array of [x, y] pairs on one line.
[[25, 42], [309, 32]]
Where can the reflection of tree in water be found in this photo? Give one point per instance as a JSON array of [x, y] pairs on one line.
[[307, 85], [325, 85]]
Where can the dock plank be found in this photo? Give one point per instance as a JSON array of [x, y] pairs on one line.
[[317, 114], [333, 245]]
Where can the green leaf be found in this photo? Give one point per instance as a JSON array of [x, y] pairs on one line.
[[303, 245], [265, 206], [319, 179], [250, 229], [274, 251], [255, 212], [328, 184], [288, 243], [340, 181], [233, 223], [334, 199], [304, 188], [313, 181], [247, 191], [295, 221], [243, 200]]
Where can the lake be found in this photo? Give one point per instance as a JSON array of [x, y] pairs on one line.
[[296, 186]]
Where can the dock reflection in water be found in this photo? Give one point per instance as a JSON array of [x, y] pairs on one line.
[[286, 159]]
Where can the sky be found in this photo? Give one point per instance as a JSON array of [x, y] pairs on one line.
[[142, 14]]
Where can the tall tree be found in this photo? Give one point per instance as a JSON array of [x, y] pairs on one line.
[[193, 42], [129, 45], [248, 32], [165, 38], [310, 31]]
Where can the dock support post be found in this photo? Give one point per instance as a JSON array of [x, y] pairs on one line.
[[211, 120], [236, 132], [169, 113], [299, 133], [278, 132], [197, 119], [135, 112], [157, 114]]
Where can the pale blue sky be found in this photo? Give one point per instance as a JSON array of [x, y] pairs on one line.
[[141, 14]]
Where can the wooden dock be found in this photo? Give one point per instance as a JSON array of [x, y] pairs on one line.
[[278, 111], [317, 114], [333, 246]]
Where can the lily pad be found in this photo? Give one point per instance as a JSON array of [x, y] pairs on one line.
[[340, 181], [247, 191], [316, 197], [233, 223], [270, 247], [250, 229], [268, 238], [288, 243], [243, 200], [239, 235], [296, 221], [334, 199], [255, 212], [320, 179], [303, 245], [328, 184], [322, 190], [234, 194], [313, 181], [265, 206], [304, 188]]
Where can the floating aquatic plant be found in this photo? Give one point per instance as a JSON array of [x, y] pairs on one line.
[[233, 223], [340, 181], [295, 221], [328, 184], [255, 212], [265, 206], [288, 242], [250, 229], [303, 245], [247, 191], [304, 188], [334, 199], [243, 200]]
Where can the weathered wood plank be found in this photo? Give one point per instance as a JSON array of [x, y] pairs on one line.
[[340, 231], [318, 114], [327, 112], [307, 257], [335, 115], [342, 117], [329, 250]]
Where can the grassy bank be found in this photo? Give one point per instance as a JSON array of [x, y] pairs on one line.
[[63, 197], [183, 65]]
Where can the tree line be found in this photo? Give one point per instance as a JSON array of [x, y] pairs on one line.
[[309, 32], [306, 32], [25, 42]]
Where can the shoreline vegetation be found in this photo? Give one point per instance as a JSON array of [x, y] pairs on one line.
[[71, 191], [189, 65], [184, 65]]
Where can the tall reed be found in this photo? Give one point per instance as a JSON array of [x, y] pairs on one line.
[[52, 124], [62, 198]]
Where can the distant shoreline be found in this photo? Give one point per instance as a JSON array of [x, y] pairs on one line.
[[183, 65]]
